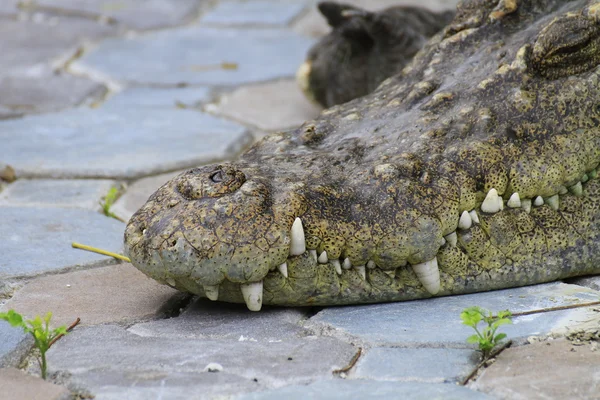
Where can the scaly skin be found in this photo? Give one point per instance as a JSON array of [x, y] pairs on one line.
[[505, 98]]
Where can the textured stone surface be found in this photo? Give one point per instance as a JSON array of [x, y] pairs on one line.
[[269, 106], [76, 193], [205, 319], [546, 370], [339, 389], [125, 359], [14, 344], [418, 322], [114, 294], [195, 54], [38, 240], [17, 385], [165, 98], [254, 12], [424, 365], [592, 282], [116, 142]]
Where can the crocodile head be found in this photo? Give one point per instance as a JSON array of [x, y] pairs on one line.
[[474, 169]]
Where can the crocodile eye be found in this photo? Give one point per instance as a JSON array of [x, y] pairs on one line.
[[569, 45], [217, 176], [210, 181]]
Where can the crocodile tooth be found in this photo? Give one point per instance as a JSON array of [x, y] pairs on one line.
[[552, 202], [371, 264], [474, 216], [347, 264], [452, 238], [492, 202], [323, 258], [283, 270], [313, 253], [538, 201], [442, 241], [585, 178], [212, 292], [429, 275], [337, 266], [526, 204], [514, 201], [562, 190], [593, 174], [252, 293], [361, 271], [465, 220], [298, 245], [391, 273], [170, 281], [576, 189]]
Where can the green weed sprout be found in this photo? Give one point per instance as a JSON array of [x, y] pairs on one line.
[[43, 336], [487, 338], [108, 202]]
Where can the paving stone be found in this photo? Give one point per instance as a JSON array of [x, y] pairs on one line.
[[162, 98], [592, 282], [126, 359], [75, 193], [255, 12], [38, 240], [14, 345], [47, 92], [206, 319], [137, 194], [115, 294], [269, 106], [339, 389], [313, 23], [8, 8], [138, 14], [547, 370], [417, 323], [410, 365], [122, 142], [195, 55], [17, 385]]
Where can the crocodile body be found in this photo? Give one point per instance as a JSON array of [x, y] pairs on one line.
[[472, 170]]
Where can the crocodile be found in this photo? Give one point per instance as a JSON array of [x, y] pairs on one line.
[[473, 169]]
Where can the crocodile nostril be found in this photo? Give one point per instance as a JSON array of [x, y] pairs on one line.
[[217, 176]]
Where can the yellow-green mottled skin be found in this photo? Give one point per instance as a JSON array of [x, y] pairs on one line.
[[506, 97]]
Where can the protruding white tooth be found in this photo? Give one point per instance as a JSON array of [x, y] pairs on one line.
[[514, 201], [323, 258], [371, 264], [212, 292], [337, 266], [298, 245], [552, 202], [585, 178], [347, 264], [562, 190], [492, 202], [170, 281], [538, 201], [452, 238], [465, 220], [474, 216], [283, 270], [442, 241], [429, 275], [313, 253], [253, 294], [526, 204], [391, 273], [576, 189], [361, 271]]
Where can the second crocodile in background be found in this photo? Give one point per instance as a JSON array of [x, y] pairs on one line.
[[472, 170]]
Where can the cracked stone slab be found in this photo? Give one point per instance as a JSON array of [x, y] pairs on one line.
[[17, 385], [417, 323], [281, 105], [174, 98], [38, 240], [15, 344], [546, 370], [195, 55], [255, 12], [416, 365], [116, 142], [205, 319], [75, 193], [114, 294], [110, 362], [340, 389]]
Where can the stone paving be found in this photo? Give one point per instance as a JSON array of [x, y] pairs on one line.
[[99, 94]]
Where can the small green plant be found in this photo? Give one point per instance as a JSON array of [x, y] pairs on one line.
[[487, 338], [108, 202], [43, 336]]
